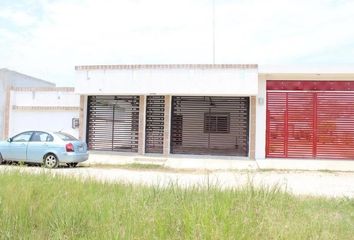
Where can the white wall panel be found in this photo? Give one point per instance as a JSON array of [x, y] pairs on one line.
[[41, 120], [43, 110], [45, 98], [261, 113], [219, 81]]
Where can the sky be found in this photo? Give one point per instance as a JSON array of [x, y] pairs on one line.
[[48, 38]]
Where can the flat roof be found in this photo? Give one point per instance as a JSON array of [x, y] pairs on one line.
[[261, 68], [308, 68], [168, 66]]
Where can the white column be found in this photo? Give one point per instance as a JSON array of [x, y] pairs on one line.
[[167, 126], [142, 117], [261, 114]]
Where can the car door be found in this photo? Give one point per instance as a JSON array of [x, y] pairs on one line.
[[38, 146], [17, 147]]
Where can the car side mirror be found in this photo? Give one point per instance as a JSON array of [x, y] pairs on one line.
[[9, 139]]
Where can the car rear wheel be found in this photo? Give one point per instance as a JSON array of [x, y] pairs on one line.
[[72, 165], [51, 161]]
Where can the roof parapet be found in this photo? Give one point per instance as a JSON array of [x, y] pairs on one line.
[[168, 66]]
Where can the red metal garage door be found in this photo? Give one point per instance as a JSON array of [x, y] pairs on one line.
[[310, 119]]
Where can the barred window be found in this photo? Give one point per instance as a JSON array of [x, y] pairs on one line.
[[216, 122]]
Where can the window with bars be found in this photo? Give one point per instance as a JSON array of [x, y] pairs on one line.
[[217, 123]]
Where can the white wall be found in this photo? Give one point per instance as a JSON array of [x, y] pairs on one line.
[[10, 79], [16, 79], [261, 111], [45, 98], [171, 81], [43, 109], [42, 120], [3, 91]]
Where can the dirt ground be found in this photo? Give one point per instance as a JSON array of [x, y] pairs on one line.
[[316, 183]]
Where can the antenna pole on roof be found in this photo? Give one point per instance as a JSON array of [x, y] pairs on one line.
[[213, 18]]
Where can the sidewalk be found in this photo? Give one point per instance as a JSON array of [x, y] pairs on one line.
[[329, 184], [218, 162]]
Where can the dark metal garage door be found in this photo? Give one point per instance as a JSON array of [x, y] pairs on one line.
[[210, 125], [310, 119], [113, 123], [154, 127]]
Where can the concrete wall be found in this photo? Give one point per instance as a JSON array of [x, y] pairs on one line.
[[9, 79], [50, 109], [83, 117], [54, 120], [15, 79], [197, 80], [61, 97]]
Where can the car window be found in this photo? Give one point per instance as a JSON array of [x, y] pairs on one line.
[[41, 137], [65, 136], [22, 137]]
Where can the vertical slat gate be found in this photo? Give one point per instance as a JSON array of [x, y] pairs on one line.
[[310, 119], [113, 123], [291, 124], [276, 121], [335, 125], [154, 128], [299, 125], [210, 125]]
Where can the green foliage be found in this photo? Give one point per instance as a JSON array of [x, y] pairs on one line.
[[53, 207]]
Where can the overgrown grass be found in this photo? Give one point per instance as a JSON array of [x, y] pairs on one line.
[[51, 207]]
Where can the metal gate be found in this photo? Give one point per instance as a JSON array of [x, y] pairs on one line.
[[310, 119], [210, 125], [113, 123], [154, 128]]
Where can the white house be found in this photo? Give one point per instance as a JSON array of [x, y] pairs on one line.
[[271, 114]]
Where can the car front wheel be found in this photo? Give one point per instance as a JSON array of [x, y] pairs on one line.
[[51, 161]]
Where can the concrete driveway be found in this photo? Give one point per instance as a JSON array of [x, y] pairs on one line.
[[317, 183]]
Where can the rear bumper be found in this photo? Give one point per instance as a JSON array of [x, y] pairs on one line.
[[73, 157]]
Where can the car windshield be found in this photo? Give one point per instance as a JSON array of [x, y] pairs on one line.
[[65, 136]]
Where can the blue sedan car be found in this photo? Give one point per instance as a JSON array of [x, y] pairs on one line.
[[48, 148]]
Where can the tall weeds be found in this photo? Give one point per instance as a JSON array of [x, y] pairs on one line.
[[53, 207]]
